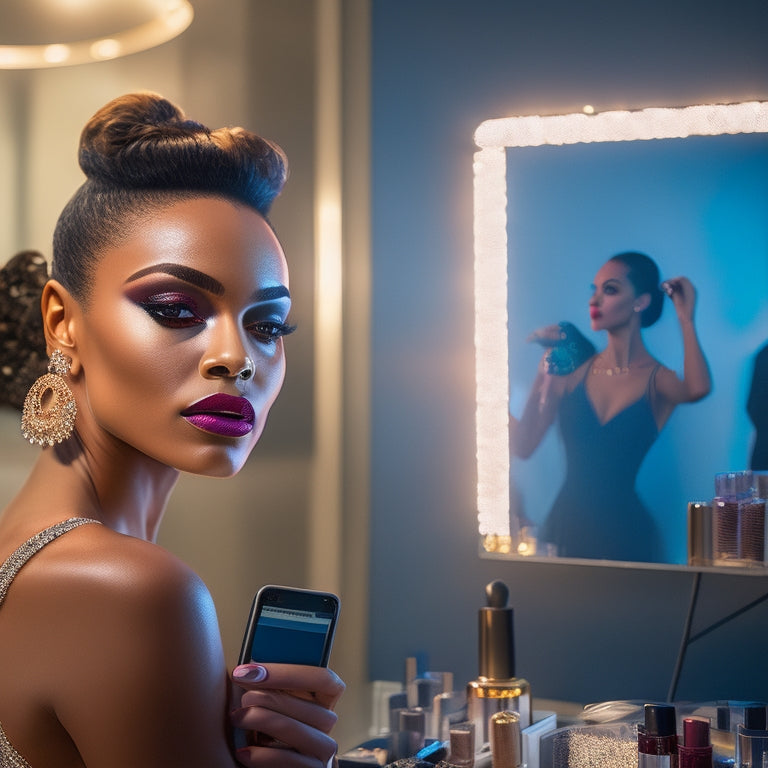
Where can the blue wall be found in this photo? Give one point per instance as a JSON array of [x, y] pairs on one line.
[[440, 67]]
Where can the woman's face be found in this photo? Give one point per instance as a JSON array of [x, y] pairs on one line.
[[613, 299], [181, 345]]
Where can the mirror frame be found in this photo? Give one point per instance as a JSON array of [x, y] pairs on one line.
[[491, 259]]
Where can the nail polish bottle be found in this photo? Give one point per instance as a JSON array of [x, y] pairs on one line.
[[657, 737], [496, 689]]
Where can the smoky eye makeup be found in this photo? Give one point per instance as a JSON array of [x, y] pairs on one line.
[[172, 309], [268, 322]]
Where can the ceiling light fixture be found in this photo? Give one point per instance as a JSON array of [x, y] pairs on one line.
[[35, 34]]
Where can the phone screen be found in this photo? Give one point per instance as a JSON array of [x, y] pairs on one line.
[[293, 628]]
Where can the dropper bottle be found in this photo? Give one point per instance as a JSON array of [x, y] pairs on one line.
[[496, 688]]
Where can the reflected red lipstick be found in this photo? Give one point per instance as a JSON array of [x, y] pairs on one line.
[[222, 415]]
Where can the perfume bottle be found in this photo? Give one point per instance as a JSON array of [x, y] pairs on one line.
[[496, 688]]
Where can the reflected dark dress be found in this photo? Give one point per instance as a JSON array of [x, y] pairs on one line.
[[598, 513], [757, 408]]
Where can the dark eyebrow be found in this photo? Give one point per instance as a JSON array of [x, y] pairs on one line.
[[272, 293], [206, 282], [187, 274]]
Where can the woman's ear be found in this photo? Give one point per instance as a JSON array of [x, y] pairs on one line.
[[60, 321], [642, 302]]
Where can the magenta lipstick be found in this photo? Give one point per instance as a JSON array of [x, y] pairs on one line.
[[695, 749], [657, 737], [222, 414]]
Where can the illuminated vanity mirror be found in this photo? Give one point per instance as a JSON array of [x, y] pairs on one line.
[[555, 197]]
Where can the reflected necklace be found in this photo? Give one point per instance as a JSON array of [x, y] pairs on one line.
[[616, 370]]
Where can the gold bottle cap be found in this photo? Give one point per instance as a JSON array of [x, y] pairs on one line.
[[506, 741]]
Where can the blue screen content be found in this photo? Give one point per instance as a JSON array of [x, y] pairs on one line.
[[290, 636]]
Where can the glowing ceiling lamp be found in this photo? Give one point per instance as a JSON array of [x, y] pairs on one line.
[[36, 34], [493, 137]]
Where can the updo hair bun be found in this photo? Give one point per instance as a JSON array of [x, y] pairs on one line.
[[142, 141], [644, 275]]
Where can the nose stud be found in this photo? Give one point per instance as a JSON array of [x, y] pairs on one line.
[[247, 370]]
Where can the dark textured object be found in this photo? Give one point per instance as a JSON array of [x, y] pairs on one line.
[[569, 351], [22, 343]]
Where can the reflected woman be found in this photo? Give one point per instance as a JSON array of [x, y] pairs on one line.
[[610, 407], [164, 324]]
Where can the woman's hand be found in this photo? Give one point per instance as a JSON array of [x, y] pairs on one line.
[[683, 295], [548, 335], [289, 710]]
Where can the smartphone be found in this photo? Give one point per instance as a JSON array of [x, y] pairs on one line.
[[290, 626]]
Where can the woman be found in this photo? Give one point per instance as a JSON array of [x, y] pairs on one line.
[[611, 407], [164, 323]]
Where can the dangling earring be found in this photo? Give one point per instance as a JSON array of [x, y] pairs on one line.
[[49, 411]]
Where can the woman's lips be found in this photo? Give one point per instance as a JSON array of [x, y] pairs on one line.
[[595, 313], [222, 415]]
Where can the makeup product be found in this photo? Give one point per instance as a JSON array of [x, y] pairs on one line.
[[695, 748], [433, 752], [755, 716], [411, 673], [657, 737], [731, 716], [723, 739], [752, 737], [412, 727], [699, 533], [496, 689], [733, 491], [506, 741], [447, 710], [462, 746], [751, 748], [397, 703]]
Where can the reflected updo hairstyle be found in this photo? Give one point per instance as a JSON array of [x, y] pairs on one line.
[[644, 275], [140, 153]]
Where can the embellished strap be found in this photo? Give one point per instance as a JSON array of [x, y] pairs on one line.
[[9, 757], [21, 556]]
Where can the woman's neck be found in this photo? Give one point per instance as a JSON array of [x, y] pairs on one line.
[[127, 493], [625, 349]]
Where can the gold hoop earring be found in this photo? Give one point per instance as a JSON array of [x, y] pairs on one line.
[[49, 411]]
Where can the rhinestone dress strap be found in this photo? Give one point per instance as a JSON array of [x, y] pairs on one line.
[[9, 757], [30, 547]]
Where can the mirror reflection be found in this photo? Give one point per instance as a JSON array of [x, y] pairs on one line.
[[699, 208]]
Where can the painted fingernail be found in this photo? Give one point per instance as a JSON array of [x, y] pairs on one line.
[[250, 673]]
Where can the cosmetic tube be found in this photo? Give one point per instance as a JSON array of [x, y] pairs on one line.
[[411, 728], [462, 746], [448, 709], [657, 738], [751, 748], [506, 740], [752, 737], [695, 749], [723, 739], [496, 689], [699, 533]]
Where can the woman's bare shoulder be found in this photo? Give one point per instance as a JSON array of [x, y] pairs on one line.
[[110, 587], [106, 563], [129, 616]]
